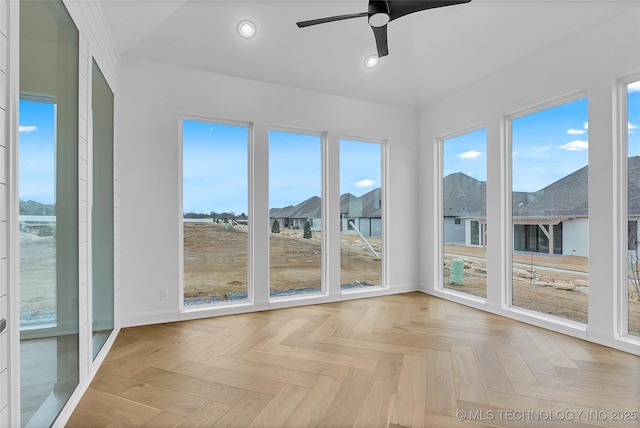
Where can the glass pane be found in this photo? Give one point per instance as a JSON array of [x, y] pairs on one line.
[[295, 214], [215, 203], [464, 188], [37, 165], [550, 213], [360, 214], [48, 192], [633, 152], [102, 211]]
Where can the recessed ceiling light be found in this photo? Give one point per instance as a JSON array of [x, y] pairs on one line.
[[246, 29], [371, 61]]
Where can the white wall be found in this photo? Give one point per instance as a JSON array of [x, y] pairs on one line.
[[589, 63], [154, 96], [575, 237]]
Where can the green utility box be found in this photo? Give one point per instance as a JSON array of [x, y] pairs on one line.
[[455, 271]]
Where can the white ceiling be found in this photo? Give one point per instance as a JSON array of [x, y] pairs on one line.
[[431, 53]]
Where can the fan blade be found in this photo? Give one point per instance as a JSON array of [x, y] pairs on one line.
[[400, 8], [303, 24], [381, 40]]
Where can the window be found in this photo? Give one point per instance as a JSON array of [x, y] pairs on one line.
[[37, 211], [102, 210], [361, 216], [534, 238], [550, 211], [464, 188], [476, 233], [215, 203], [633, 214], [48, 192], [295, 214]]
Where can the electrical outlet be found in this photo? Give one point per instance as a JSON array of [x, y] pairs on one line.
[[164, 294]]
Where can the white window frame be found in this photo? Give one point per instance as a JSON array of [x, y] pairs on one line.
[[384, 210], [438, 279], [507, 292], [324, 248], [621, 277], [250, 156]]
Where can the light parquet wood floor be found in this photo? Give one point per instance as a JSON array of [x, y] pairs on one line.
[[408, 360]]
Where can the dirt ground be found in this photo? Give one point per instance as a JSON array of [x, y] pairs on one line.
[[216, 266], [216, 260], [37, 273], [555, 285]]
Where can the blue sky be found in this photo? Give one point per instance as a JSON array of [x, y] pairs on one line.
[[467, 153], [547, 145], [215, 167], [295, 168], [360, 167], [37, 152], [633, 103]]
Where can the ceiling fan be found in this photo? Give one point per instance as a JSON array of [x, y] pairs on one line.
[[381, 12]]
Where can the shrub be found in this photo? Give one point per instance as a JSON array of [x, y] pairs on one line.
[[275, 227], [307, 230]]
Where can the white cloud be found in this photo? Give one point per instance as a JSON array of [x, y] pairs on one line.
[[27, 129], [541, 148], [576, 131], [471, 154], [634, 87], [575, 146], [365, 183], [586, 125], [631, 127]]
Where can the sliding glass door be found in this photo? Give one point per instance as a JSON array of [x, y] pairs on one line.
[[48, 192]]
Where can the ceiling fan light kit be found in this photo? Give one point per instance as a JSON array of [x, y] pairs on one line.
[[246, 29], [381, 12], [371, 61]]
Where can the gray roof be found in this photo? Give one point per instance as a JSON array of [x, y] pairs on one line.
[[278, 212], [367, 205], [371, 203], [566, 197], [310, 208], [346, 201], [465, 196]]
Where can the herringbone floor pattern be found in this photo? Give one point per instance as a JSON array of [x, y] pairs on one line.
[[406, 360]]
